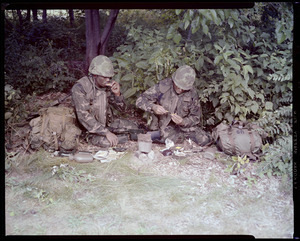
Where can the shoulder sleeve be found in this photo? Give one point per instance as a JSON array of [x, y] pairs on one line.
[[146, 100], [195, 115]]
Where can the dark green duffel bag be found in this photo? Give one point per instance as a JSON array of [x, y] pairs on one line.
[[239, 138]]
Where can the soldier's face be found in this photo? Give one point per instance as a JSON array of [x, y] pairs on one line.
[[102, 81], [178, 90]]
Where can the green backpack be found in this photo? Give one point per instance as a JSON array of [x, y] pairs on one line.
[[239, 138], [54, 129]]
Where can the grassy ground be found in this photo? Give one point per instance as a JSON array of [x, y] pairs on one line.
[[191, 195]]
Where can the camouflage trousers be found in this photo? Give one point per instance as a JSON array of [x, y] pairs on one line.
[[177, 135], [123, 129]]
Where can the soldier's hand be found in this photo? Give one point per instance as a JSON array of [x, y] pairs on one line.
[[112, 138], [159, 110], [177, 119], [115, 88]]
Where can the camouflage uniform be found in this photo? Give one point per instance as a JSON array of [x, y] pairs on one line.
[[93, 107], [186, 105]]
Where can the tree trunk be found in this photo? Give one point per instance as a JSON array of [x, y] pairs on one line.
[[34, 14], [71, 15], [28, 16], [44, 16], [20, 17], [92, 34], [96, 43], [107, 30], [10, 25]]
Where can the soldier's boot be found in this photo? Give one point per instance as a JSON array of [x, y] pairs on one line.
[[123, 126], [201, 137], [173, 133], [102, 141]]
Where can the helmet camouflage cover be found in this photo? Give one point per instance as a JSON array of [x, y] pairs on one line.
[[101, 65], [184, 77]]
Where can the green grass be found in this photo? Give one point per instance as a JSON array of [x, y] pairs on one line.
[[114, 198]]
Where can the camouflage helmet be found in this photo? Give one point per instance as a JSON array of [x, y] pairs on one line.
[[184, 77], [101, 65]]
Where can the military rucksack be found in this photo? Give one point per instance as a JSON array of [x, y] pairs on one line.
[[239, 138], [54, 129]]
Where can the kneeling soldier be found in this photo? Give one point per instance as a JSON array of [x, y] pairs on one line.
[[93, 97], [176, 108]]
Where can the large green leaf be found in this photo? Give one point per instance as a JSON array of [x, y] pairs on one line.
[[237, 90], [199, 63], [251, 92], [227, 54], [230, 22], [171, 32], [127, 77], [234, 14], [142, 64], [254, 107], [218, 58], [178, 11], [215, 17], [280, 38], [259, 72], [177, 37], [186, 24], [228, 116], [205, 29], [261, 96], [237, 109], [247, 68], [195, 24], [218, 47], [233, 64], [269, 105], [130, 92], [219, 115]]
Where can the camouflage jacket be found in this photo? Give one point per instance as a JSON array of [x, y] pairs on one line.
[[187, 105], [93, 105]]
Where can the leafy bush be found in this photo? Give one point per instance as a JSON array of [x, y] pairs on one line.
[[39, 70], [244, 68], [277, 123], [36, 55], [15, 109], [143, 60], [277, 158], [237, 165], [235, 58], [243, 59]]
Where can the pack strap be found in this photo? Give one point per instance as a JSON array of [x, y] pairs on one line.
[[55, 140], [44, 124], [64, 122], [231, 141], [253, 157], [251, 140]]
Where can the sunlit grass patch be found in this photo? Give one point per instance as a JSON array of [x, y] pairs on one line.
[[115, 198]]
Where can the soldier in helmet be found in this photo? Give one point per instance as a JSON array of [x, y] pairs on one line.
[[175, 108], [93, 97]]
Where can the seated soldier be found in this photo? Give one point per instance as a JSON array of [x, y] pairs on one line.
[[176, 108], [93, 97]]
